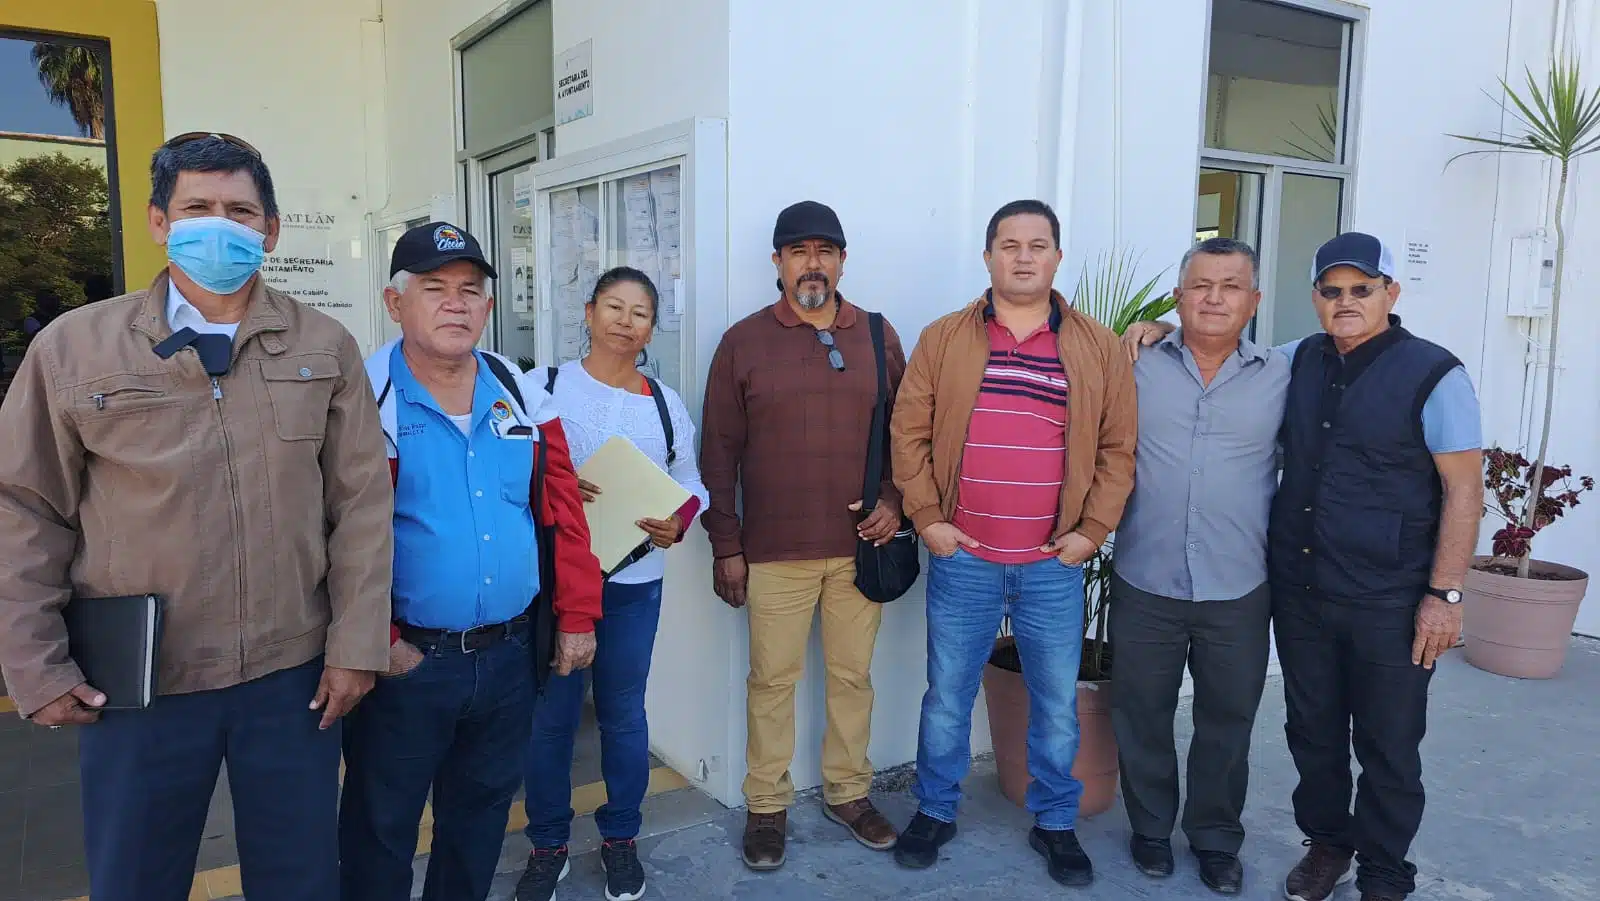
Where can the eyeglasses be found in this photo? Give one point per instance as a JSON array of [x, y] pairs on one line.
[[192, 136], [1358, 292], [835, 359]]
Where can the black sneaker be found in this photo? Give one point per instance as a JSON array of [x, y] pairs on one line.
[[1152, 856], [624, 873], [1067, 862], [546, 867], [918, 846]]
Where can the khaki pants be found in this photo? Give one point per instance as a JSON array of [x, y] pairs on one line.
[[783, 598]]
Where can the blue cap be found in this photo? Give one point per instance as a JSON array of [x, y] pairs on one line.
[[1362, 251]]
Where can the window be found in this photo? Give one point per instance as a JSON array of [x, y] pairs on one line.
[[508, 80], [1275, 165]]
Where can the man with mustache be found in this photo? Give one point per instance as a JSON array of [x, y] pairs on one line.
[[788, 409]]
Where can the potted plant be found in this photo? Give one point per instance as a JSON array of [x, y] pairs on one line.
[[1520, 611], [1109, 295]]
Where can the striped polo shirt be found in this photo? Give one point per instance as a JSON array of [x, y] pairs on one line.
[[1016, 452]]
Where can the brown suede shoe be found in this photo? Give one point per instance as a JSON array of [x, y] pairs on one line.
[[1317, 874], [763, 840], [869, 827]]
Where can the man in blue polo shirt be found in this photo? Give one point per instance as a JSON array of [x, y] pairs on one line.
[[474, 449]]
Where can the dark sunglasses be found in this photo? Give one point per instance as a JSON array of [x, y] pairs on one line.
[[835, 359], [1359, 292], [189, 137]]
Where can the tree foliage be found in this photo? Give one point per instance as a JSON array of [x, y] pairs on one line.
[[55, 235]]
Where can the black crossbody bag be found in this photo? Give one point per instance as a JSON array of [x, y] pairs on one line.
[[883, 573]]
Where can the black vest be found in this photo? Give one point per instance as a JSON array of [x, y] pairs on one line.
[[1357, 513]]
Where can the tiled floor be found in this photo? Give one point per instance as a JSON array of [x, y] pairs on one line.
[[41, 818]]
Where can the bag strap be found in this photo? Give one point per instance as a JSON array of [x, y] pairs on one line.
[[550, 379], [507, 379], [880, 424], [659, 397]]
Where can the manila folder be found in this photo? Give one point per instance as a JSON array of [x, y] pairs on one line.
[[632, 487]]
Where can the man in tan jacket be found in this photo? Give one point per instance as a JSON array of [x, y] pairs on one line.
[[212, 442], [1013, 438]]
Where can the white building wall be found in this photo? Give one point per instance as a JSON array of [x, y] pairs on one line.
[[1422, 83], [303, 108]]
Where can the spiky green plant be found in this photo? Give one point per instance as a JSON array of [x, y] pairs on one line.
[[1560, 122], [1107, 294]]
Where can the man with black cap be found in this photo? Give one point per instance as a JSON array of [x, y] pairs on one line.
[[487, 515], [788, 409], [1372, 530]]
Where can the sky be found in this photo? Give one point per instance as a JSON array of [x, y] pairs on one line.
[[24, 106]]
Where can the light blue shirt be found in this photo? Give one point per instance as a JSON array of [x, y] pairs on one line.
[[464, 541], [1451, 418]]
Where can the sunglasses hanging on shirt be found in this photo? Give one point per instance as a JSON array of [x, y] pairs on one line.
[[835, 359]]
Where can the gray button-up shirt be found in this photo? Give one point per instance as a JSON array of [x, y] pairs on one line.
[[1196, 524]]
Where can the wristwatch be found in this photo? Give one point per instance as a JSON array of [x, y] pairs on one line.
[[1448, 595]]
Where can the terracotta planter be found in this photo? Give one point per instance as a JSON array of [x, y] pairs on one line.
[[1521, 627], [1096, 766]]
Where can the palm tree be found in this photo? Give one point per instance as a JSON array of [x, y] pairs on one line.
[[71, 75], [1560, 122]]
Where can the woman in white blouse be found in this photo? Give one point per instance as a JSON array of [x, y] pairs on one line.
[[601, 396]]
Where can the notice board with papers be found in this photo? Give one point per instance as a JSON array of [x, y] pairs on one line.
[[657, 203]]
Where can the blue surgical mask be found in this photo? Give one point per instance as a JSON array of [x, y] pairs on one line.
[[219, 254]]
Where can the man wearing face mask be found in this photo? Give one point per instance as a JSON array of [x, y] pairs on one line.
[[212, 442], [788, 408]]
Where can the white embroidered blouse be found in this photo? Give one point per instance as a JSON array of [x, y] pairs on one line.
[[592, 412]]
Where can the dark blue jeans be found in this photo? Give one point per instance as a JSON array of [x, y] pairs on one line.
[[624, 640], [967, 598], [455, 725], [148, 777]]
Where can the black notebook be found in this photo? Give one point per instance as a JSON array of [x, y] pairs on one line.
[[115, 641]]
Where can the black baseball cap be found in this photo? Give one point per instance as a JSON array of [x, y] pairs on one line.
[[1362, 251], [804, 221], [427, 247]]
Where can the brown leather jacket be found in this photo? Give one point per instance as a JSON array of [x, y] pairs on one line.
[[258, 504], [934, 407]]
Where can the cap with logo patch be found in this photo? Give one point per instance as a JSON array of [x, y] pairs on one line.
[[1357, 249], [427, 247]]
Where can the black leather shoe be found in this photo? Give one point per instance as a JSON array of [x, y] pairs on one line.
[[918, 846], [1152, 856], [1068, 864], [1221, 871]]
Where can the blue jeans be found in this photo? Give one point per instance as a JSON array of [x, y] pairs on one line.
[[148, 777], [624, 640], [454, 725], [967, 597]]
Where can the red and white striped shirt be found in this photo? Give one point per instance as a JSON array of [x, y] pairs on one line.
[[1016, 451]]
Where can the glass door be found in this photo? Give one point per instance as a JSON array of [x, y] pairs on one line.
[[516, 312]]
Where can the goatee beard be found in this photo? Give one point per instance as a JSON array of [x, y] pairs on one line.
[[817, 295]]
